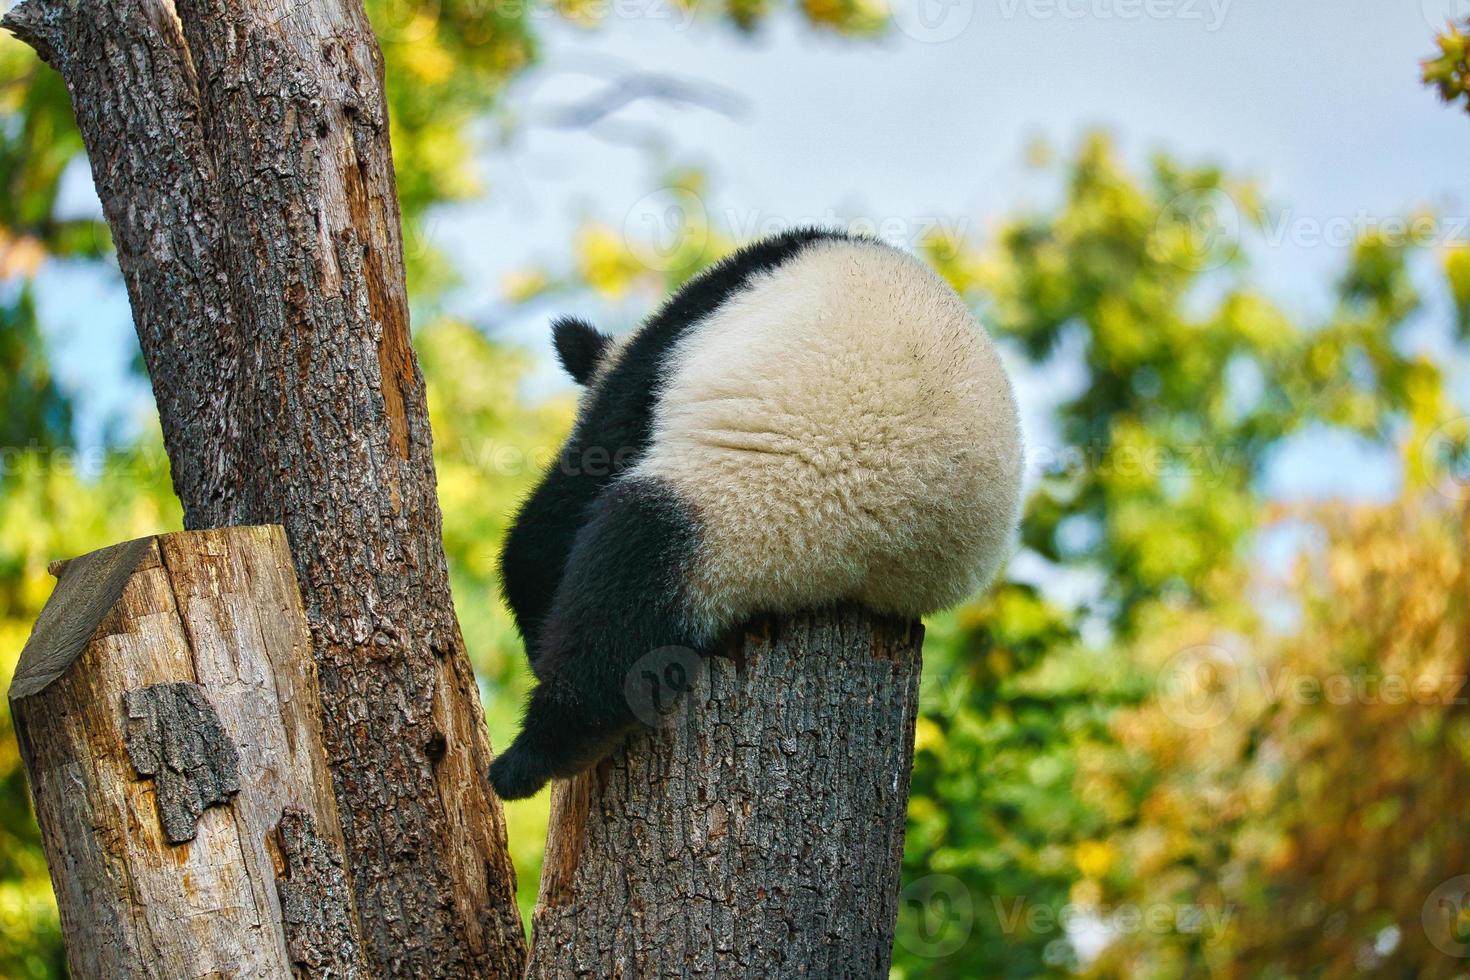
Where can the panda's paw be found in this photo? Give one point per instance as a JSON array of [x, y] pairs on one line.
[[518, 773]]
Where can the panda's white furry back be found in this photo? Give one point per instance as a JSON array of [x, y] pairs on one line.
[[816, 419]]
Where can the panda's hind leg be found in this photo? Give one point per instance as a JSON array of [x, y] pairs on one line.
[[622, 597]]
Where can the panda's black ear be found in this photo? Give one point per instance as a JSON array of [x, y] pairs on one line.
[[579, 347]]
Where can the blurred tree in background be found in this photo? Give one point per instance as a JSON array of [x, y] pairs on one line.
[[1025, 787], [1315, 806], [1125, 785]]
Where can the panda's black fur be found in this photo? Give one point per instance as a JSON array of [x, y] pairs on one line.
[[596, 567], [620, 602]]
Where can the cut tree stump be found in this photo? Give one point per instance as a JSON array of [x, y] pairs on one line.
[[167, 712], [759, 830]]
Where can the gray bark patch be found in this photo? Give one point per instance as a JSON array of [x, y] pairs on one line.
[[316, 905], [175, 738]]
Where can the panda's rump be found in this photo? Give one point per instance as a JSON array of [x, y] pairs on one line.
[[838, 429]]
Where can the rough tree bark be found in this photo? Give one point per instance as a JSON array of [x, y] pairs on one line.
[[166, 709], [760, 831], [241, 153]]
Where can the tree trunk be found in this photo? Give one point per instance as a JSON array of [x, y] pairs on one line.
[[166, 710], [759, 832], [244, 167]]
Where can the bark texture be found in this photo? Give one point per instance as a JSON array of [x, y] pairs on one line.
[[241, 154], [175, 738], [166, 710], [759, 832]]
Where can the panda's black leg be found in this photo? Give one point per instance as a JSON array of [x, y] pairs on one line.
[[557, 738], [534, 558], [622, 601]]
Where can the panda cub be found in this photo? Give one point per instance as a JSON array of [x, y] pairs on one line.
[[815, 419]]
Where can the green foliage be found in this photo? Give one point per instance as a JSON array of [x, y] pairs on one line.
[[33, 413], [38, 138], [992, 807], [1192, 376], [446, 63], [846, 17], [1448, 72], [1309, 807], [490, 447], [1031, 788]]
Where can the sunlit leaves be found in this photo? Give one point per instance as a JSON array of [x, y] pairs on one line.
[[1317, 803], [1457, 273], [1447, 72], [1169, 440], [1116, 751]]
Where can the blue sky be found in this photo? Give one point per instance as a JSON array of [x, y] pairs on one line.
[[1320, 101]]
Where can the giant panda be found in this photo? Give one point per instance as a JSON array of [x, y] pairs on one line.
[[815, 419]]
